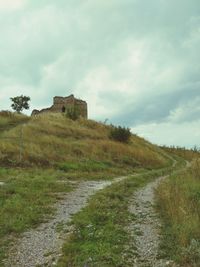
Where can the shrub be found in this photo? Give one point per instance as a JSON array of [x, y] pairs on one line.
[[121, 134]]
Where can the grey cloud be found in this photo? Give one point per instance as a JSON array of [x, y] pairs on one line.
[[159, 108], [133, 61]]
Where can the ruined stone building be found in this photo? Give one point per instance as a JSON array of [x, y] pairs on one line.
[[64, 104]]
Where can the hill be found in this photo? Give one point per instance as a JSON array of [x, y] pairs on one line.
[[9, 120], [45, 158], [54, 140]]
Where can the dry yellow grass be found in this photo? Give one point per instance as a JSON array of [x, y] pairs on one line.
[[9, 120], [52, 138], [188, 154], [179, 205]]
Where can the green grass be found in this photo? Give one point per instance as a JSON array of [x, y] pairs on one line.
[[88, 166], [99, 237], [26, 200], [179, 205], [27, 196]]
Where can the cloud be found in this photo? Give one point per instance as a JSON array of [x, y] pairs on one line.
[[135, 62], [185, 134], [11, 4]]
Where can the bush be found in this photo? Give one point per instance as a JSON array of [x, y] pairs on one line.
[[121, 134]]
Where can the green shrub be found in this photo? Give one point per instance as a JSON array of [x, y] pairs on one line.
[[121, 134]]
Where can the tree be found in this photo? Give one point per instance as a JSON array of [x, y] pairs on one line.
[[20, 103]]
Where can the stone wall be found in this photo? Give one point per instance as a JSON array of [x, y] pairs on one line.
[[62, 104]]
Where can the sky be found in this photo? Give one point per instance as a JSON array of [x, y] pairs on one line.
[[136, 62]]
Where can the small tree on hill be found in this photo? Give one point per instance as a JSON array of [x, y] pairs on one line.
[[20, 103]]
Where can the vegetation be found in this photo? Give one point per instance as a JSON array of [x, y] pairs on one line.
[[55, 148], [121, 134], [20, 103], [99, 237], [9, 120], [73, 113], [52, 139], [179, 205], [188, 154], [88, 166], [26, 199]]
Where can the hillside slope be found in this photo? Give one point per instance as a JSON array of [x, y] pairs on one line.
[[9, 120], [52, 139]]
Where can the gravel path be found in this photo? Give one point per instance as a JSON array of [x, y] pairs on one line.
[[145, 229], [43, 246]]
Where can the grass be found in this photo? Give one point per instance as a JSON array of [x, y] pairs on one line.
[[26, 200], [179, 205], [187, 154], [27, 195], [8, 120], [99, 237], [53, 139], [88, 166], [56, 149]]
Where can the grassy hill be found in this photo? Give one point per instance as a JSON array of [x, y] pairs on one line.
[[54, 151], [8, 120], [54, 140]]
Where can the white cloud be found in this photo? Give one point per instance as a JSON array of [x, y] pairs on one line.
[[168, 133], [11, 4]]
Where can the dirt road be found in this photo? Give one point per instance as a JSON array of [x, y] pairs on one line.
[[145, 228], [43, 245]]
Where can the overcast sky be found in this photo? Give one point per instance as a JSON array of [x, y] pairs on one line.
[[136, 62]]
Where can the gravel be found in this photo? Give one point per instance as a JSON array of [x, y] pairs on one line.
[[43, 246], [145, 229]]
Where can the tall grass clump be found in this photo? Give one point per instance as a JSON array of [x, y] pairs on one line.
[[179, 206]]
